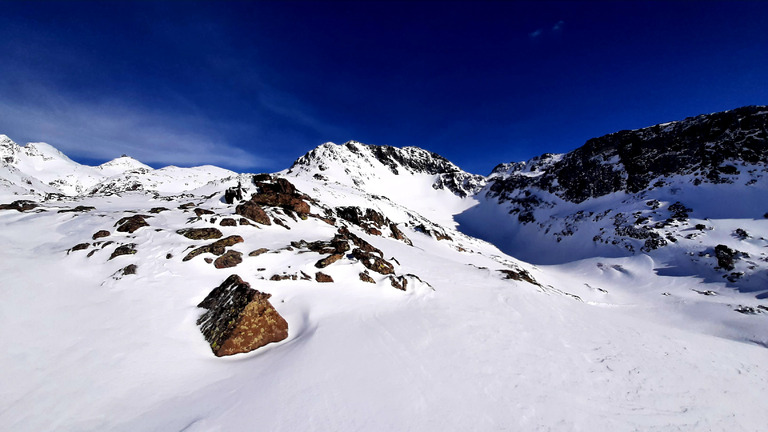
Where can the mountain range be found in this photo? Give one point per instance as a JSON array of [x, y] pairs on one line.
[[622, 286]]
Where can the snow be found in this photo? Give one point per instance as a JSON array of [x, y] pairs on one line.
[[639, 349]]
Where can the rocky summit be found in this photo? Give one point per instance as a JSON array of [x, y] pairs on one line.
[[627, 279]]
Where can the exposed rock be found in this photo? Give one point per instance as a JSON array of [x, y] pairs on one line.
[[258, 252], [254, 212], [20, 205], [217, 248], [100, 234], [126, 249], [187, 206], [130, 269], [281, 277], [200, 212], [519, 275], [322, 277], [78, 209], [208, 260], [239, 319], [725, 257], [330, 259], [399, 235], [228, 222], [156, 210], [365, 277], [131, 223], [80, 246], [229, 259], [373, 262], [233, 194], [741, 234], [280, 222], [399, 282], [200, 233], [279, 193]]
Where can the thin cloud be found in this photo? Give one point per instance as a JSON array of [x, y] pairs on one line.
[[536, 34], [103, 131], [541, 33]]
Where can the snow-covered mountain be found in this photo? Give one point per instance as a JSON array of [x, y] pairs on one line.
[[354, 289], [39, 169]]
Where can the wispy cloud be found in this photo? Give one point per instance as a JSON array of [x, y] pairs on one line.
[[554, 30], [105, 130]]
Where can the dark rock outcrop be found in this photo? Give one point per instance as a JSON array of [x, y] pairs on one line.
[[217, 248], [199, 212], [131, 223], [373, 262], [365, 277], [519, 275], [631, 160], [254, 212], [239, 319], [258, 252], [19, 206], [323, 278], [279, 192], [78, 209], [200, 233], [126, 249], [725, 257], [229, 222], [100, 234], [228, 259], [399, 282]]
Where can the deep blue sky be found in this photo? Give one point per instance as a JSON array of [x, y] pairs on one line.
[[252, 86]]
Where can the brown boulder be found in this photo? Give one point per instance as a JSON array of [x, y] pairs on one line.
[[228, 222], [399, 282], [80, 246], [258, 252], [239, 319], [229, 259], [100, 234], [279, 193], [199, 212], [217, 248], [373, 262], [330, 259], [78, 209], [365, 277], [323, 278], [200, 233], [128, 249], [19, 206], [397, 234], [131, 223], [254, 212], [155, 210]]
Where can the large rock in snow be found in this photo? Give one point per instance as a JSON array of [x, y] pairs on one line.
[[239, 319]]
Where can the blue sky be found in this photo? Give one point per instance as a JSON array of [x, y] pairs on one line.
[[251, 86]]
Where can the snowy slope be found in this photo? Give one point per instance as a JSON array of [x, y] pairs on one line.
[[412, 177], [595, 336]]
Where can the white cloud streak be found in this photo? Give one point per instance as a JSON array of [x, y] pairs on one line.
[[103, 131]]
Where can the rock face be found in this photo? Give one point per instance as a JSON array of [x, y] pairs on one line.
[[631, 160], [239, 319]]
